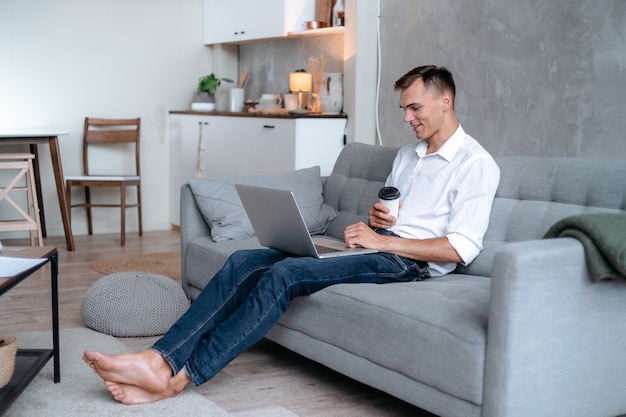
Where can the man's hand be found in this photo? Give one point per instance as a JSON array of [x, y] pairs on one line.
[[378, 216], [361, 235]]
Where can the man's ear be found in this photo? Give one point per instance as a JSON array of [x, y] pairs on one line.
[[446, 100]]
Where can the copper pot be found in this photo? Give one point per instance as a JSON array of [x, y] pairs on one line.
[[313, 24]]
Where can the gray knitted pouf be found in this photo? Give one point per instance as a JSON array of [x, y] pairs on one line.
[[133, 304]]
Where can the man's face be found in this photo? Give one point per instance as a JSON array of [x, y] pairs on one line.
[[423, 109]]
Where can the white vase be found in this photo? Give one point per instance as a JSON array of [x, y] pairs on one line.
[[203, 102], [331, 93]]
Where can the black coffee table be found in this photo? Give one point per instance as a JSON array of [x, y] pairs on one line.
[[30, 361]]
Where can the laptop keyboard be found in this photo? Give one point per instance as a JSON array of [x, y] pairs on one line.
[[325, 249]]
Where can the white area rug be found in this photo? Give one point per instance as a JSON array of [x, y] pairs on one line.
[[274, 411], [82, 393]]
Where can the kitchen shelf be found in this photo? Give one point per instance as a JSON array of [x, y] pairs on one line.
[[333, 30]]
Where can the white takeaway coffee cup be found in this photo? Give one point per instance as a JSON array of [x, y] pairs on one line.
[[390, 198]]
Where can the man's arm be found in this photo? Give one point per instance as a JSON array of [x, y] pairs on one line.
[[474, 192], [436, 249]]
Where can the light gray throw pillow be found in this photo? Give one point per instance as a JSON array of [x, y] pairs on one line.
[[222, 209]]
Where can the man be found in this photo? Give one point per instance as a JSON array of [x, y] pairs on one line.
[[447, 183]]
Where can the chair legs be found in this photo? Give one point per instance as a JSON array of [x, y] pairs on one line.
[[33, 205], [88, 211], [123, 213], [88, 205], [123, 216], [30, 219], [139, 218]]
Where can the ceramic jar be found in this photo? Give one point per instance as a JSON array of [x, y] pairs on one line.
[[331, 93]]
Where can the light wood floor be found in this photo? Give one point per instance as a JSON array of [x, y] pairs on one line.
[[265, 381]]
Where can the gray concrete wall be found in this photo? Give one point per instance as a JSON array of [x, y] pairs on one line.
[[533, 78]]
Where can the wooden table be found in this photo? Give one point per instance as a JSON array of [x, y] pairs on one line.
[[34, 137], [30, 361]]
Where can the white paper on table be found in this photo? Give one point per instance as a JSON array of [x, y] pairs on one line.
[[12, 266]]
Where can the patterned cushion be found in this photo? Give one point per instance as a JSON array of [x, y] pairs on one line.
[[133, 304]]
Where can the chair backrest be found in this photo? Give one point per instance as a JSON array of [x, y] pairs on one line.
[[110, 131]]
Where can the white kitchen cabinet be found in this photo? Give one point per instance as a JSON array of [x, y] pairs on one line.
[[235, 21], [243, 145]]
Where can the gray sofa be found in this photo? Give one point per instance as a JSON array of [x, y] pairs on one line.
[[522, 331]]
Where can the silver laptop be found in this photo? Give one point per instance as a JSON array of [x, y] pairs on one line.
[[278, 224]]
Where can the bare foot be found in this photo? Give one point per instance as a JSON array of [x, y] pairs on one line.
[[146, 370], [131, 394]]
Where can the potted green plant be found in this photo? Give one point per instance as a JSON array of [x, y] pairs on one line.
[[204, 97]]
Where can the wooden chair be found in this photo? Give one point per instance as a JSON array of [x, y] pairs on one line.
[[29, 219], [108, 132]]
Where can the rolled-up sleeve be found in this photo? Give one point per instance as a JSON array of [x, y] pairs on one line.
[[465, 247], [469, 218]]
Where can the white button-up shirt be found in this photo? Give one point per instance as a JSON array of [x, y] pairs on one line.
[[446, 193]]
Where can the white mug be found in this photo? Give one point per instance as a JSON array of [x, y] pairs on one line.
[[291, 101]]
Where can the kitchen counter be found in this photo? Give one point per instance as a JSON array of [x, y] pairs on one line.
[[259, 114]]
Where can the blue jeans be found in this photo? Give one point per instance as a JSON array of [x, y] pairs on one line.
[[247, 297]]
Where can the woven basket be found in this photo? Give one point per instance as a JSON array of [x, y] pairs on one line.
[[8, 350]]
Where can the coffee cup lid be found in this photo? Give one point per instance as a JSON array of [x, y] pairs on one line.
[[389, 193]]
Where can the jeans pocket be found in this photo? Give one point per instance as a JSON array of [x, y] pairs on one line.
[[407, 270]]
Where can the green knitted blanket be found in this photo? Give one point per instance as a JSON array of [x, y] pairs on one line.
[[603, 236]]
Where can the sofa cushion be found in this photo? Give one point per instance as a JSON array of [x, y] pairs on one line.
[[222, 209], [433, 331]]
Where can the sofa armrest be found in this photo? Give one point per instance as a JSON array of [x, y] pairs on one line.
[[192, 223], [556, 338]]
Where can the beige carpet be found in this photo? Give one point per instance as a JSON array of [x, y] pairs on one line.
[[82, 393], [167, 263]]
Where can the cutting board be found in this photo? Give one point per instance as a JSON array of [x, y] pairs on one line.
[[324, 11]]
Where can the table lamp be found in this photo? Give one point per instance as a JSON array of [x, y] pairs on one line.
[[301, 82]]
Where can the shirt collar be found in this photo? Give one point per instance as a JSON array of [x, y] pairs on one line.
[[448, 149]]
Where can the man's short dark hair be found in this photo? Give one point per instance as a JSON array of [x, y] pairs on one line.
[[432, 76]]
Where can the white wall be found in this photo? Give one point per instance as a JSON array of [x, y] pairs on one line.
[[63, 60]]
